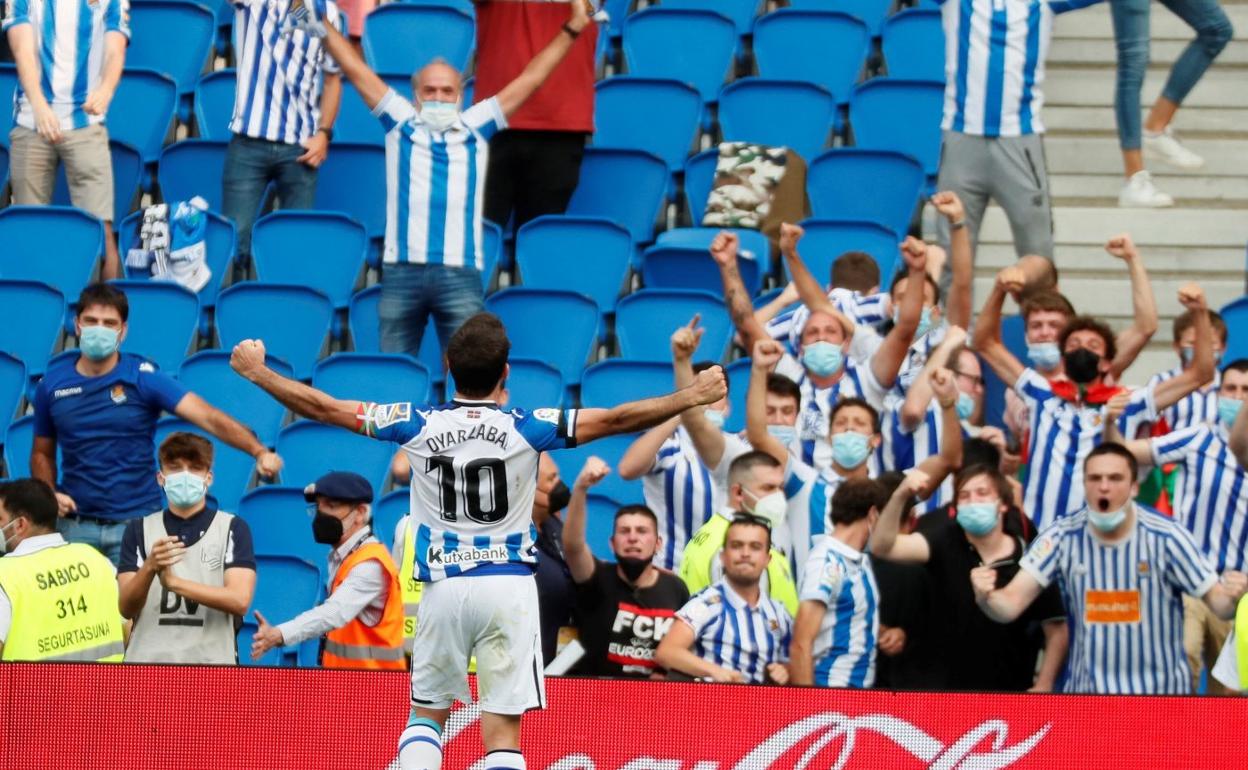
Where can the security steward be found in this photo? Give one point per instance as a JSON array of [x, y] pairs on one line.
[[58, 600], [362, 620]]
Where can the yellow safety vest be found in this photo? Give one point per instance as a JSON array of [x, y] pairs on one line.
[[1241, 643], [65, 605], [704, 548], [411, 586]]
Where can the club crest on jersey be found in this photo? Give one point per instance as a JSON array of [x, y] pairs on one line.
[[1043, 547], [547, 415], [1143, 569], [118, 394]]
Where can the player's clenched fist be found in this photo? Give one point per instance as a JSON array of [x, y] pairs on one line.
[[789, 236], [914, 252], [1122, 247], [983, 582], [1011, 280], [724, 248], [1192, 297], [709, 386], [594, 471], [248, 357], [766, 354]]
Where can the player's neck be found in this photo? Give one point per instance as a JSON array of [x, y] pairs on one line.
[[91, 368], [853, 535], [750, 592]]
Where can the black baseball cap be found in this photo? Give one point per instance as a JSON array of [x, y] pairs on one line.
[[340, 485]]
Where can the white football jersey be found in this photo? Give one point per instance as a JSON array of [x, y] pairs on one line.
[[474, 475]]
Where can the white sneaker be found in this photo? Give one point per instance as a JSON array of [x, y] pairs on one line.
[[1165, 146], [1139, 193]]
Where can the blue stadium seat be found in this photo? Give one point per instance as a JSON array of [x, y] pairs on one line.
[[388, 512], [209, 375], [699, 179], [401, 38], [13, 385], [293, 321], [873, 112], [193, 167], [430, 354], [753, 244], [493, 252], [738, 373], [381, 377], [4, 166], [1015, 339], [587, 255], [231, 468], [362, 320], [8, 84], [154, 24], [1235, 314], [356, 123], [694, 47], [56, 245], [142, 111], [610, 449], [870, 12], [600, 524], [618, 11], [18, 440], [865, 185], [913, 42], [467, 90], [127, 176], [214, 104], [164, 317], [558, 327], [285, 587], [531, 384], [741, 12], [827, 239], [646, 319], [616, 381], [667, 266], [660, 117], [225, 27], [828, 49], [281, 525], [31, 318], [748, 109], [312, 449], [352, 180], [605, 173], [320, 250]]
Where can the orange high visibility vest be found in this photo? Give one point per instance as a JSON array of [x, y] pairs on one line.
[[361, 646]]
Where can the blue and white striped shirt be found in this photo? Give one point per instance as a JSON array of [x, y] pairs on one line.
[[994, 63], [1197, 408], [809, 496], [903, 450], [277, 96], [730, 633], [865, 309], [1124, 602], [840, 578], [435, 183], [1210, 492], [682, 492], [1062, 435], [69, 53]]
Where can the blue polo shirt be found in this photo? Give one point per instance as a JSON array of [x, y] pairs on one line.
[[238, 550], [105, 427]]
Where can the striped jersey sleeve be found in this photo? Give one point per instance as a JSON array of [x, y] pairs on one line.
[[1174, 446], [1187, 569], [393, 110], [1042, 559]]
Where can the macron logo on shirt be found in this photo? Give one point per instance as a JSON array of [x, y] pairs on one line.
[[63, 392]]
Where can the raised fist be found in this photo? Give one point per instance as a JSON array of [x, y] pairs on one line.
[[724, 248]]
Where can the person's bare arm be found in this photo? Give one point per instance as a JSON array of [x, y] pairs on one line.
[[809, 290], [1171, 391], [778, 303], [675, 653], [539, 68], [640, 455], [369, 85], [707, 388], [724, 251], [110, 74], [1056, 643], [887, 541], [199, 412], [961, 259], [987, 337], [1004, 605], [304, 400], [1135, 337], [949, 459], [22, 45], [576, 551], [1224, 597], [891, 354], [708, 440], [766, 354], [1140, 448], [805, 628], [919, 396]]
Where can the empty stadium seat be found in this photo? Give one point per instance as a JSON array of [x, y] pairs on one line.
[[610, 449], [142, 111], [1013, 334], [321, 250], [825, 240], [356, 122], [8, 84], [401, 38], [699, 179], [741, 12], [285, 587], [694, 47], [312, 449], [558, 327], [645, 321], [660, 117], [605, 173], [214, 104], [231, 468], [873, 112], [32, 316], [127, 176], [600, 525], [18, 440], [13, 385], [1235, 314], [668, 266], [293, 321], [913, 43], [388, 512], [865, 185], [208, 374], [615, 381], [363, 321], [164, 317], [752, 245], [826, 48], [56, 245], [381, 377], [155, 25], [738, 373], [587, 255], [748, 110], [530, 384], [4, 166], [192, 167], [352, 180], [870, 12]]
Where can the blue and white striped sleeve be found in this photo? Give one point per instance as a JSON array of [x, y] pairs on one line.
[[1186, 567], [697, 612], [822, 579], [1033, 389], [1173, 447], [1041, 559], [667, 457], [486, 117], [15, 12], [117, 17], [335, 16], [1140, 410], [547, 429], [393, 110]]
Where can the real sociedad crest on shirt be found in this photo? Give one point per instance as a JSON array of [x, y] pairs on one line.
[[118, 394]]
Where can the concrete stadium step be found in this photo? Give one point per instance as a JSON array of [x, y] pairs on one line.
[[1161, 261], [1221, 87], [1188, 190], [1068, 154], [1095, 24], [1152, 227], [1191, 121], [1162, 53], [1109, 294]]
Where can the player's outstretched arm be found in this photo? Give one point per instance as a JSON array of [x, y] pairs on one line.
[[708, 387], [304, 400]]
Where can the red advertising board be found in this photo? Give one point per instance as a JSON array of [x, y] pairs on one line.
[[98, 716]]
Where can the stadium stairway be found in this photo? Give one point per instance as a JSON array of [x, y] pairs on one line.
[[1202, 238]]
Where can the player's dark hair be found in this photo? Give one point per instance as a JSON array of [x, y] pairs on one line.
[[1045, 300], [928, 279], [104, 295], [1238, 365], [1088, 323], [30, 499], [702, 366], [855, 402], [779, 385], [744, 519], [854, 499], [747, 462], [477, 355], [1005, 493], [194, 450], [1186, 321], [856, 271], [1117, 450], [636, 510]]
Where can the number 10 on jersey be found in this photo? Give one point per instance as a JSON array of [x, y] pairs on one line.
[[484, 482]]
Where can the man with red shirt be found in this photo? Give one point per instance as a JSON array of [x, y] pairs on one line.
[[536, 161]]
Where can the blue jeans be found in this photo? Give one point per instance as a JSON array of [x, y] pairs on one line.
[[103, 536], [410, 293], [1213, 32], [250, 164]]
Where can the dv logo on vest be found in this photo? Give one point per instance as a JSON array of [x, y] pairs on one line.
[[172, 612]]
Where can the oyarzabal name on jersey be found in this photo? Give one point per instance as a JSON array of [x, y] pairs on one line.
[[445, 440], [438, 557]]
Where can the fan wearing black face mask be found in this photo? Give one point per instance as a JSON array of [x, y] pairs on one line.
[[623, 609]]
